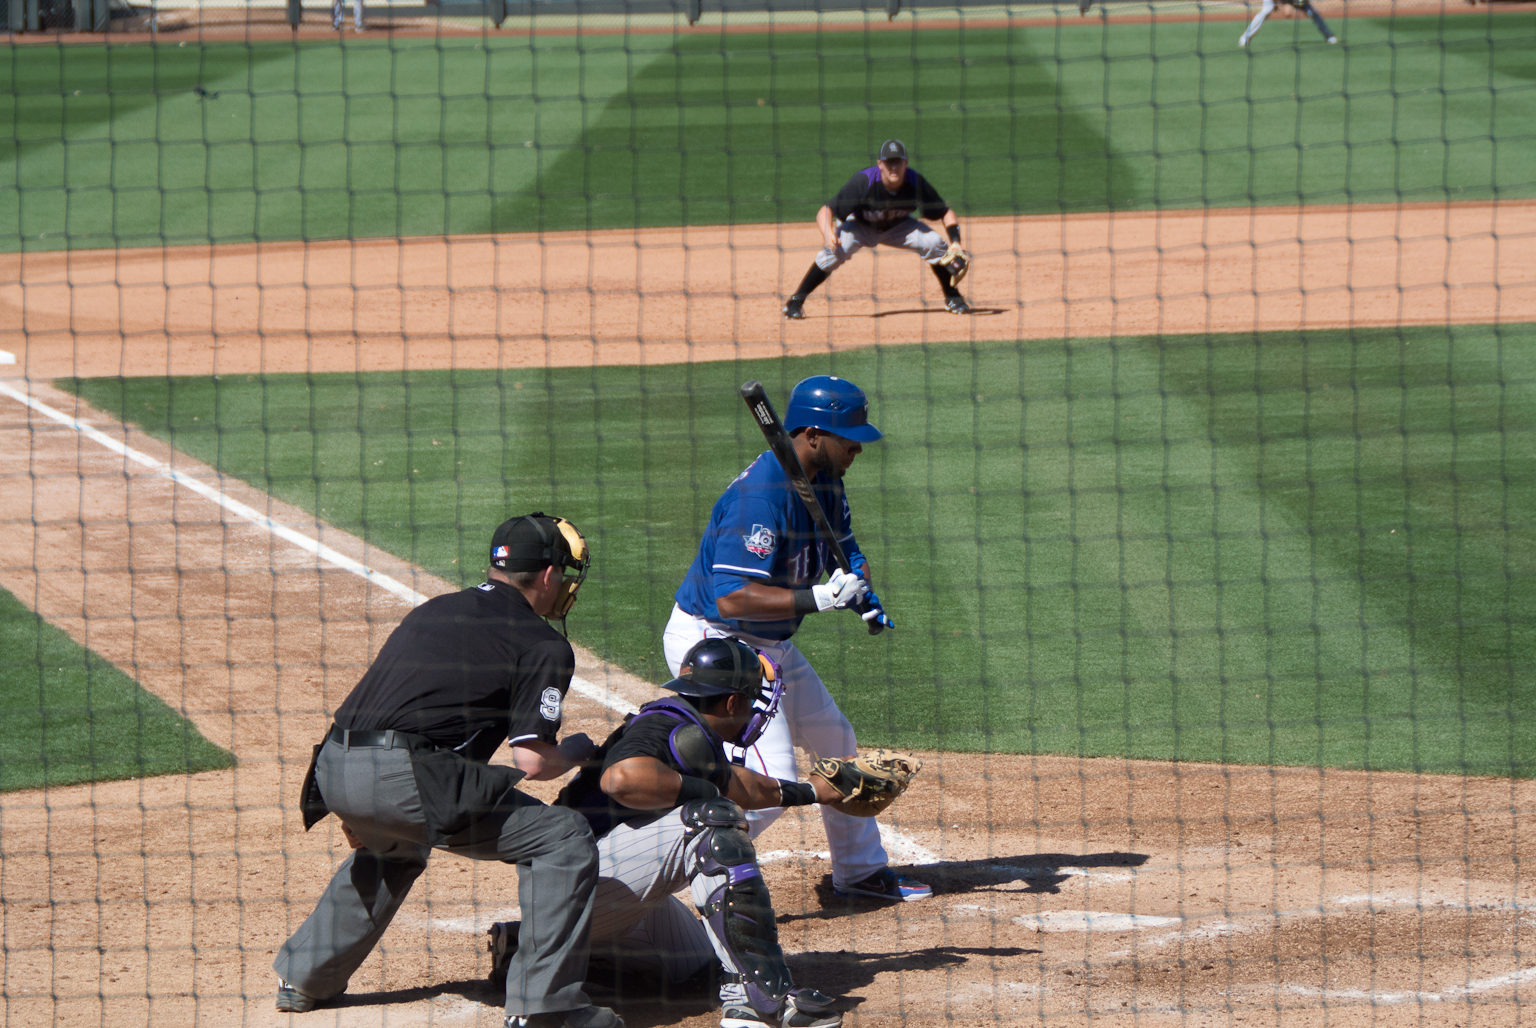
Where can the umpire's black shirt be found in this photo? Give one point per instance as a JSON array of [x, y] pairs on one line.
[[467, 670]]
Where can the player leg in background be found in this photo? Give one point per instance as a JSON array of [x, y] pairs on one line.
[[1322, 26], [357, 15], [922, 240], [1257, 23], [852, 236], [809, 717]]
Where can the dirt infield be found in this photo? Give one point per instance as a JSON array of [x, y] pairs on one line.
[[1068, 891], [673, 295]]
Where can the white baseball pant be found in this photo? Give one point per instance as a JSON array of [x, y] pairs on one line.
[[808, 717], [854, 235]]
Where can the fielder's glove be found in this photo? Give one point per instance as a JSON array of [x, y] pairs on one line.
[[957, 262], [870, 783]]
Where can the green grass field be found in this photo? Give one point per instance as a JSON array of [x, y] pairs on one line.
[[1272, 549], [72, 717], [136, 145]]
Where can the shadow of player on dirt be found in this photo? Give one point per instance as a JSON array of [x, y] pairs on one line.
[[1033, 872], [975, 312], [837, 974]]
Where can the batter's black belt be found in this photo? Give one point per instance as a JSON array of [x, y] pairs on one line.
[[388, 739]]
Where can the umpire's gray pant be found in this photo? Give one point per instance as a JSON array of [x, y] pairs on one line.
[[854, 235], [373, 789]]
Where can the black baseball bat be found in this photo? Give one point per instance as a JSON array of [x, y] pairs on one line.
[[784, 449]]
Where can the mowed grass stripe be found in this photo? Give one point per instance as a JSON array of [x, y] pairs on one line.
[[115, 147], [72, 717], [1282, 548]]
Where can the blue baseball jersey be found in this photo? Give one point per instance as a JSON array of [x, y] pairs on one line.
[[759, 531]]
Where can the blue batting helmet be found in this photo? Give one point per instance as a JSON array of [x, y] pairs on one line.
[[833, 405]]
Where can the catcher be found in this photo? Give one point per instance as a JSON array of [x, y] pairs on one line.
[[666, 805], [875, 207]]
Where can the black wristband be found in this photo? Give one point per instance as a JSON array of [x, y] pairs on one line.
[[695, 789], [805, 602], [796, 794], [954, 233]]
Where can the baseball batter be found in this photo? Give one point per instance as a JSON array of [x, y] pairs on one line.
[[666, 805], [1300, 5], [405, 767], [876, 208], [756, 578]]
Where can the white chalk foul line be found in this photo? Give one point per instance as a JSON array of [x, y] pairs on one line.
[[900, 847], [218, 496]]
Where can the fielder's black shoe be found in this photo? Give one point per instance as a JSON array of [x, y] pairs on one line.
[[581, 1017], [803, 1008], [956, 304], [792, 309], [292, 1001], [501, 944]]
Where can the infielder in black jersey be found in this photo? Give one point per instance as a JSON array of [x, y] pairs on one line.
[[876, 207], [667, 805], [405, 768]]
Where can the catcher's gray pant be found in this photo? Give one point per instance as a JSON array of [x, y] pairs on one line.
[[854, 235], [808, 717], [642, 865], [373, 789]]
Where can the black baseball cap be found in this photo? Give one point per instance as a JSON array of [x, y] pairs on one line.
[[893, 150], [531, 543]]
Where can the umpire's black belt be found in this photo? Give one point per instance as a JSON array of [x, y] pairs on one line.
[[387, 740]]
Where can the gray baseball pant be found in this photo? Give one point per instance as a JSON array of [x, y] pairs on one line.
[[641, 865], [854, 235], [374, 790]]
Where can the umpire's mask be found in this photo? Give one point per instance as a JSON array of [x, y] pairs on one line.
[[536, 541]]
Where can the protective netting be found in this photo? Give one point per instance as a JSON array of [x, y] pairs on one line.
[[1205, 524]]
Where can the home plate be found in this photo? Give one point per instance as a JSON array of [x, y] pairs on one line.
[[1093, 921]]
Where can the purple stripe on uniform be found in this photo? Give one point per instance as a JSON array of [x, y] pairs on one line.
[[873, 174]]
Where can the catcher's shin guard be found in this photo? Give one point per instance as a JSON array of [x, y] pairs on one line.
[[738, 911]]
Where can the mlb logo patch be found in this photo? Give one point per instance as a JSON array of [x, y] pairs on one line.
[[760, 543], [499, 553]]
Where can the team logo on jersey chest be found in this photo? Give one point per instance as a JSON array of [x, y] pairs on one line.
[[549, 704], [761, 542]]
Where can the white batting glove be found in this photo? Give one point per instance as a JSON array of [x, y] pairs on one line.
[[840, 590]]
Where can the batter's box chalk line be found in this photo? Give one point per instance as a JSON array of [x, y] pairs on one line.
[[900, 848]]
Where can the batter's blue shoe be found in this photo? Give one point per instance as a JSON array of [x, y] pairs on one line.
[[887, 885]]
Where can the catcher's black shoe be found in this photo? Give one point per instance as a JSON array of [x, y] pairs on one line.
[[501, 943], [803, 1008], [886, 884], [956, 304], [792, 309], [292, 1001]]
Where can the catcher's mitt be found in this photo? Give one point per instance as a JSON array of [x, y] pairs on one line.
[[957, 262], [870, 783]]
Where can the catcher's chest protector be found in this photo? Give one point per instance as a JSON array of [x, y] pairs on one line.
[[695, 747]]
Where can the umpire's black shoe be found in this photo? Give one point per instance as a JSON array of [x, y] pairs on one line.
[[501, 943], [292, 1001], [581, 1017], [956, 304], [792, 309]]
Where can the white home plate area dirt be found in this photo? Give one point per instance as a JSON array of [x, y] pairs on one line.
[[1068, 891]]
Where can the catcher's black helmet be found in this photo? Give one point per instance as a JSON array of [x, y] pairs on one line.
[[719, 667]]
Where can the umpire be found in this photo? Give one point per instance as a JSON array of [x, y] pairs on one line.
[[405, 769]]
